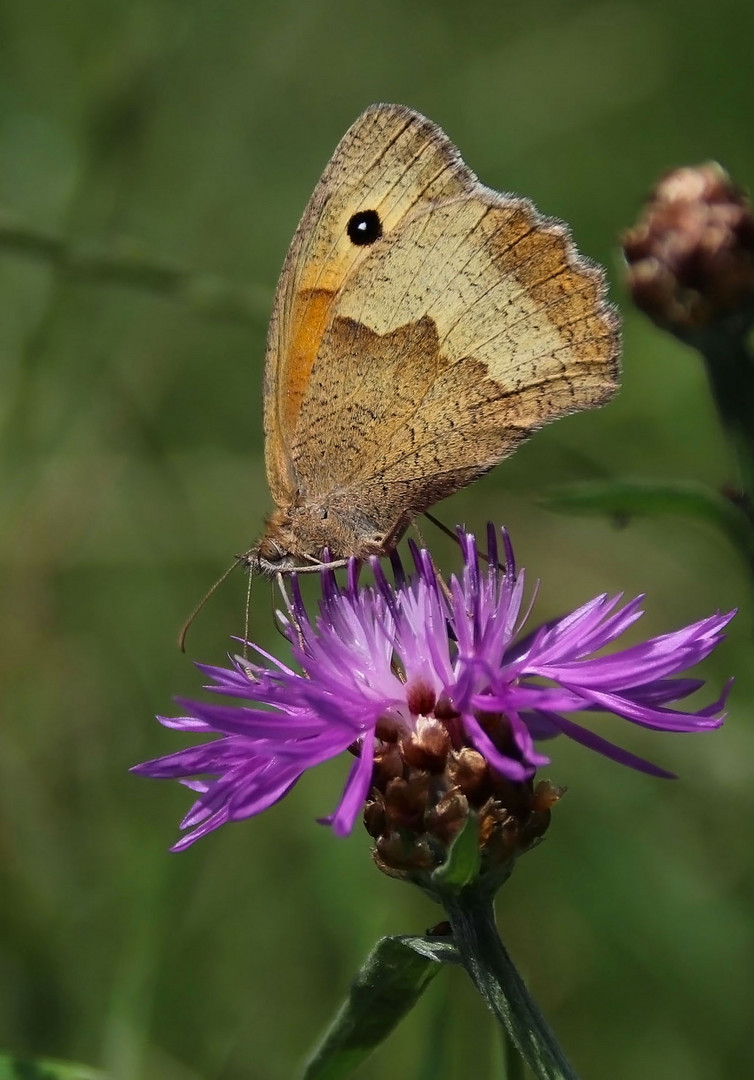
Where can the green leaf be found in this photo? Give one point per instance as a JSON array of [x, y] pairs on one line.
[[22, 1068], [624, 500], [441, 950], [463, 861], [393, 978]]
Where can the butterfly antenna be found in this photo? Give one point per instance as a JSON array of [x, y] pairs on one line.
[[187, 625]]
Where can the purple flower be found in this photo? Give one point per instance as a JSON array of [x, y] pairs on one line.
[[378, 662]]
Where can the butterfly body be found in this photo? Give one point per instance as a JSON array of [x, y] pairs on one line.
[[423, 327]]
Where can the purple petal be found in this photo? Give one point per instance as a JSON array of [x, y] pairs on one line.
[[184, 723], [253, 798], [506, 766], [257, 723], [209, 825], [607, 749], [212, 758], [355, 791], [660, 719]]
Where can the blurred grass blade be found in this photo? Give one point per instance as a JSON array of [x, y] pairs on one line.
[[624, 500], [435, 1059], [505, 1061], [393, 978], [22, 1068], [131, 264]]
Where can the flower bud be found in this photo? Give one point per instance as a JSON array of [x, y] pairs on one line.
[[448, 816], [406, 801], [375, 816], [545, 795], [468, 770], [398, 856], [423, 793], [428, 746], [691, 256], [388, 763]]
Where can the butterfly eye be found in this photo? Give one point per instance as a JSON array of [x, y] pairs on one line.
[[365, 227]]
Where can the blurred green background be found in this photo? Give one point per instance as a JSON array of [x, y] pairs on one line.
[[131, 471]]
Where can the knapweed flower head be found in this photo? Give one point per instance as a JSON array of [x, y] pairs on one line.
[[440, 699]]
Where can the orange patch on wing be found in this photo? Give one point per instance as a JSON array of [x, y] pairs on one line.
[[314, 307]]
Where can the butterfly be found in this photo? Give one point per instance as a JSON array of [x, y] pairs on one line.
[[423, 326]]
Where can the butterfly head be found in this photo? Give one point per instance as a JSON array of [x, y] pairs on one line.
[[268, 558], [303, 536]]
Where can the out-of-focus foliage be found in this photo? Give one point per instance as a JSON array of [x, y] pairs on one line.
[[131, 470]]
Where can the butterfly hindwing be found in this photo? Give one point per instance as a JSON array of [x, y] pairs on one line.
[[469, 326]]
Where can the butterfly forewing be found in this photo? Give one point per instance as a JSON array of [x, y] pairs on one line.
[[390, 160], [423, 326]]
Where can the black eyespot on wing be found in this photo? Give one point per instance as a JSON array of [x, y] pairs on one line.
[[365, 227]]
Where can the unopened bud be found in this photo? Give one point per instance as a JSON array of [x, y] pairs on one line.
[[468, 770], [492, 818], [426, 788], [375, 817], [428, 746], [545, 795], [448, 816], [691, 256], [406, 801], [395, 853], [388, 764]]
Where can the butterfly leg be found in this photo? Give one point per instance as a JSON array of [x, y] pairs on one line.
[[449, 532], [316, 565], [289, 608]]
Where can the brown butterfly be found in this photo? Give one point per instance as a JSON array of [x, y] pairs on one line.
[[423, 326]]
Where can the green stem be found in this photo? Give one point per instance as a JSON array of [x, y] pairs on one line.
[[472, 917], [134, 268], [730, 369]]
